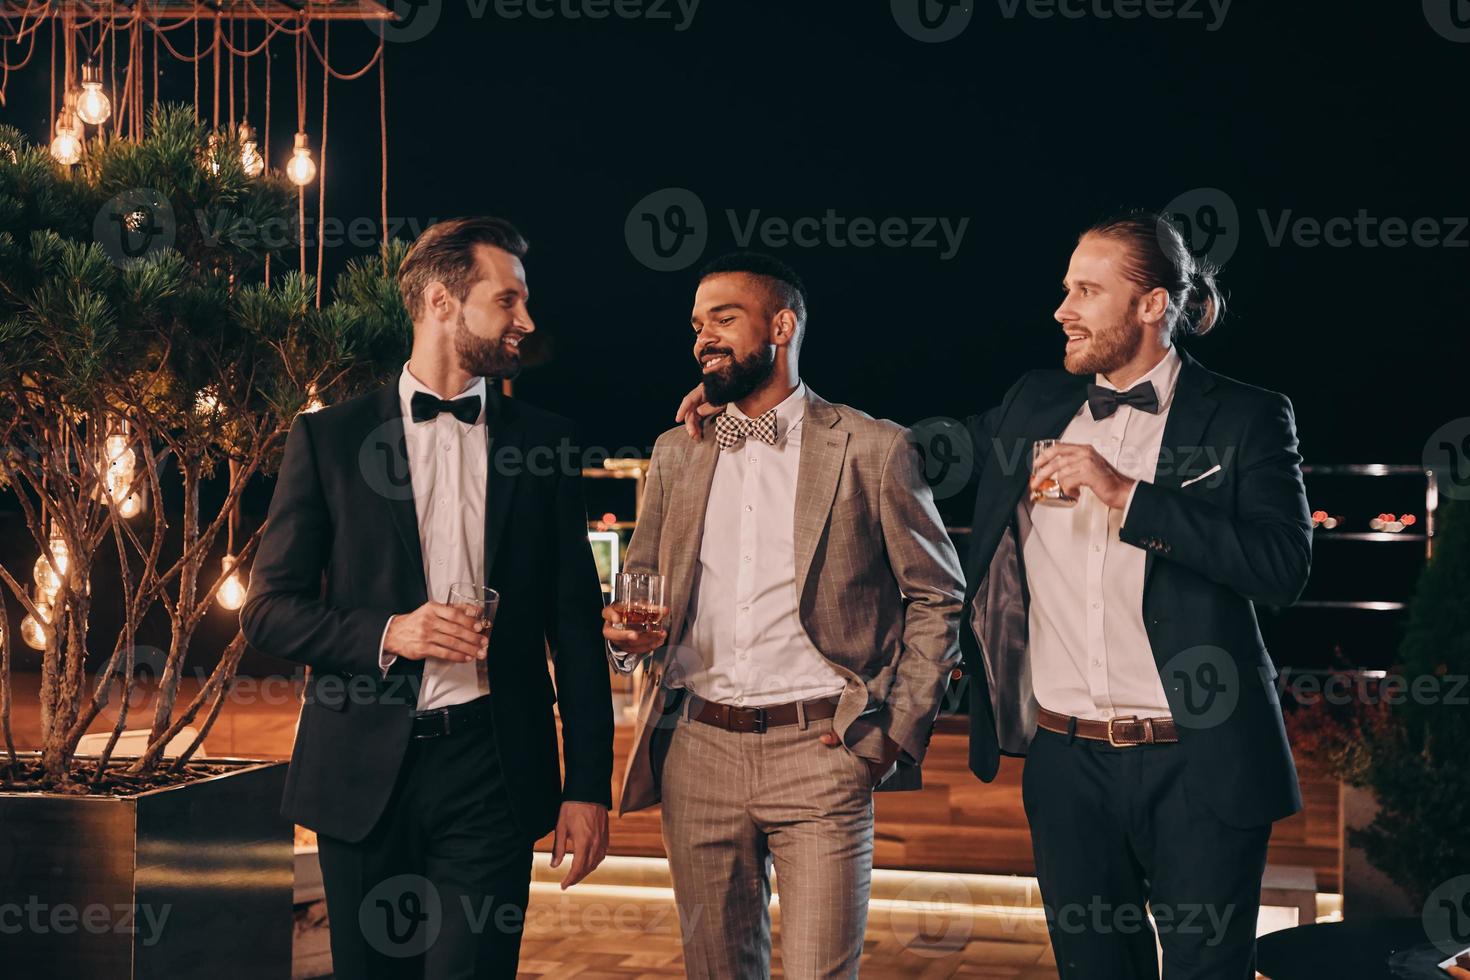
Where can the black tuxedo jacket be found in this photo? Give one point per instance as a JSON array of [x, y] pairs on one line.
[[1216, 545], [341, 554]]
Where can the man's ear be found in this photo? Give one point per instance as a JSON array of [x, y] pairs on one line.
[[784, 328], [1153, 306], [438, 303]]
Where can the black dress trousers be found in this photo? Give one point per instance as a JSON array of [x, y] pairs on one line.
[[438, 888], [1116, 835]]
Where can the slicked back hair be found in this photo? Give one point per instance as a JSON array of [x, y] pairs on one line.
[[445, 253], [1158, 257]]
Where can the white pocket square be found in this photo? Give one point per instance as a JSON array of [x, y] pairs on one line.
[[1195, 479]]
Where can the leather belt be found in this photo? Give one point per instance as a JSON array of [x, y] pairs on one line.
[[737, 719], [1118, 732], [469, 716]]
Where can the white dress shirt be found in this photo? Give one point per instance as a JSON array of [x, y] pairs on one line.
[[448, 465], [1090, 653], [744, 643]]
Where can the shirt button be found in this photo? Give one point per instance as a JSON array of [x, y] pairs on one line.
[[739, 701], [745, 609], [1097, 547], [445, 445], [439, 561], [747, 558], [752, 459], [748, 508], [741, 656], [1096, 662], [1097, 605]]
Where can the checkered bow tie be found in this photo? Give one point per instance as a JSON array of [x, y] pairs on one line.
[[731, 430]]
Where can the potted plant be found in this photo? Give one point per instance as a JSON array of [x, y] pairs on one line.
[[1399, 744], [148, 354]]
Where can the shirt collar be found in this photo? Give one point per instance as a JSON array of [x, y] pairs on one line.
[[1164, 375], [790, 412], [408, 384]]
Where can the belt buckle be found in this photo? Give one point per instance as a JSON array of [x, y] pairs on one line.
[[1113, 739], [760, 721]]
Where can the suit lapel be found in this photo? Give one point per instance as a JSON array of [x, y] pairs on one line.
[[505, 438], [684, 530], [823, 450], [1189, 414], [1008, 466], [388, 448]]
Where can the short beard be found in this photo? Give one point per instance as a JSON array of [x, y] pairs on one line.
[[739, 379], [484, 358], [1109, 349]]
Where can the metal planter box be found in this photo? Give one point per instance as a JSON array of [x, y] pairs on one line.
[[190, 880]]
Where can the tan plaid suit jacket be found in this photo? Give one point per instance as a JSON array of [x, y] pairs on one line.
[[881, 589]]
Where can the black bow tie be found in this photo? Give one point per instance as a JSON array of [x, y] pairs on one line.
[[1105, 401], [426, 407]]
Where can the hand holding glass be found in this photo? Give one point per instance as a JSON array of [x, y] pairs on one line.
[[639, 600], [481, 604], [1050, 492]]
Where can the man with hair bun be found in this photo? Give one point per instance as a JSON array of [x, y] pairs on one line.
[[1113, 642]]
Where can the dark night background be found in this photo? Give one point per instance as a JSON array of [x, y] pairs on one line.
[[1029, 127]]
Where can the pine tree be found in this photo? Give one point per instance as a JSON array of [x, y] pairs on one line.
[[147, 294]]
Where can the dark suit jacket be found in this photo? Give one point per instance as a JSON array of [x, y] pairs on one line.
[[1215, 546], [341, 554]]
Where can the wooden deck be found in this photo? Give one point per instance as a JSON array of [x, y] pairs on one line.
[[956, 823]]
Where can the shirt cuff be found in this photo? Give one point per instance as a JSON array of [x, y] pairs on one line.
[[623, 663], [385, 659]]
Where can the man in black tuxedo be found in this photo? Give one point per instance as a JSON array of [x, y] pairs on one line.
[[426, 752], [1113, 641]]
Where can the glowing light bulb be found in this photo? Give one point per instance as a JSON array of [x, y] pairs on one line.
[[31, 632], [131, 506], [66, 146], [207, 403], [93, 106], [231, 593], [48, 581], [301, 169], [210, 155], [250, 159], [313, 400]]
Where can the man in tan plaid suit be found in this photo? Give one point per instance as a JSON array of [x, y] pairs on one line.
[[813, 604]]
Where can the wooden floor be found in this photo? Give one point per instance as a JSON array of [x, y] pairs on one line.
[[956, 823]]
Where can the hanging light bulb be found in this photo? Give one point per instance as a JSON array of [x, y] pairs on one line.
[[132, 505], [210, 156], [93, 106], [120, 462], [313, 400], [231, 593], [66, 145], [301, 168], [48, 581], [250, 159], [31, 632]]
